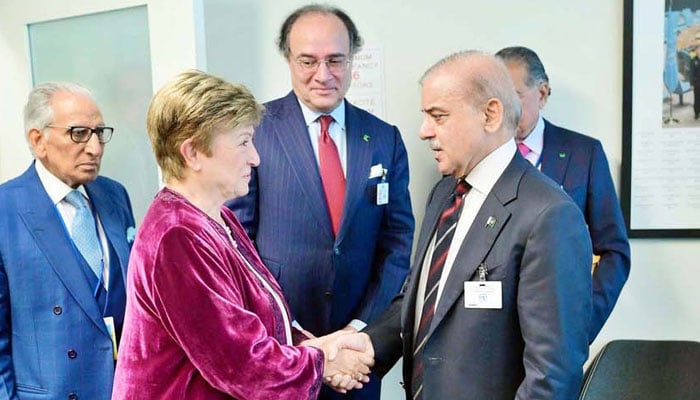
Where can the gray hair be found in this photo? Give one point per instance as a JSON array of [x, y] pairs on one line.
[[481, 84], [353, 33], [527, 58], [38, 112]]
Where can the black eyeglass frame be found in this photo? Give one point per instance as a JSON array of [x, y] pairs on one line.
[[104, 133]]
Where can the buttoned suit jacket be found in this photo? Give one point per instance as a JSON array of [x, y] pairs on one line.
[[578, 164], [534, 347], [53, 340], [329, 281]]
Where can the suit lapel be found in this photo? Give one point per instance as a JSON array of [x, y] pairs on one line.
[[359, 157], [46, 227], [481, 237], [441, 196], [113, 228], [555, 155], [291, 129]]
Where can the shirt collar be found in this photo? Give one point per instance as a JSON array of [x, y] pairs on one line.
[[535, 140], [55, 188], [485, 174], [311, 116]]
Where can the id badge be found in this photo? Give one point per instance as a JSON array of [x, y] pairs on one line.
[[382, 193], [483, 294], [109, 323]]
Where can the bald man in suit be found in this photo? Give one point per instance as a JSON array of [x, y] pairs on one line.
[[497, 303]]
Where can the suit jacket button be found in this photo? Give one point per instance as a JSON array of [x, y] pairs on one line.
[[57, 310], [72, 354], [336, 251], [327, 293], [72, 396]]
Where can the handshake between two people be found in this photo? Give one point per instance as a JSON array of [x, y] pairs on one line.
[[348, 356]]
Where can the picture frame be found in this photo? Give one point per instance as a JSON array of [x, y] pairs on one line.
[[660, 186]]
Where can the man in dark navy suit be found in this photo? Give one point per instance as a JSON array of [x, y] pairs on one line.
[[578, 164], [328, 207]]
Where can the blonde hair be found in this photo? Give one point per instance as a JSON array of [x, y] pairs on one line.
[[193, 106]]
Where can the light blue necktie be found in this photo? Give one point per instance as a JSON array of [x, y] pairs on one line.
[[84, 233]]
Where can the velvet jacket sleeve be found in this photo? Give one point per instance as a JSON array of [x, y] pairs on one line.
[[204, 306]]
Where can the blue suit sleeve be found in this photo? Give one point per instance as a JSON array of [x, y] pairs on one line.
[[392, 256], [7, 374], [607, 229]]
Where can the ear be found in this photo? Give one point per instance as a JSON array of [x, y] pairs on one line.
[[543, 92], [493, 109], [191, 155], [37, 141]]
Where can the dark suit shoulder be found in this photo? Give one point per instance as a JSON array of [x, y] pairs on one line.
[[366, 115], [535, 183], [573, 138], [274, 107]]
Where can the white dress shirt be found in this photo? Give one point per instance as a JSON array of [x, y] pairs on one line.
[[481, 178], [336, 130], [535, 142], [57, 191]]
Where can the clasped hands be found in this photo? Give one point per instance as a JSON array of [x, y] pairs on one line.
[[348, 357]]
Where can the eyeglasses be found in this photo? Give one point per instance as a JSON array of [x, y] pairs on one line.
[[335, 64], [82, 134]]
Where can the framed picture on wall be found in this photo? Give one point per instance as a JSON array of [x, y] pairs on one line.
[[661, 118]]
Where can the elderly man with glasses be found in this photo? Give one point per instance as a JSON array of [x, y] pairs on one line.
[[65, 237], [328, 206]]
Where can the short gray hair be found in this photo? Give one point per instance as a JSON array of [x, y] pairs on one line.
[[38, 112], [481, 84]]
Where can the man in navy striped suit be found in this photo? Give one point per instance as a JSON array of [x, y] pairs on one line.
[[335, 227]]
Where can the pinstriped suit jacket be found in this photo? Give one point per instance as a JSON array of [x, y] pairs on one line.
[[329, 281]]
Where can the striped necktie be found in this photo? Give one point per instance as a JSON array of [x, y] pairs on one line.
[[443, 238]]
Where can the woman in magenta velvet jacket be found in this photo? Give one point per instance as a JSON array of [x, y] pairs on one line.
[[204, 318]]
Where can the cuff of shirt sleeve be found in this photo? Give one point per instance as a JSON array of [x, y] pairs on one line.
[[358, 324]]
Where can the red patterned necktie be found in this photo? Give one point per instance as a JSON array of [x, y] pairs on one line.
[[331, 173], [443, 238]]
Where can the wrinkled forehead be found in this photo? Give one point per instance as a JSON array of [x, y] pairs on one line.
[[74, 106]]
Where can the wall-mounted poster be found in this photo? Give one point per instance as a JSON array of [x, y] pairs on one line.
[[661, 118], [367, 86]]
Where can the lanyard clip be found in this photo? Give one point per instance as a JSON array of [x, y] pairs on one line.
[[482, 272]]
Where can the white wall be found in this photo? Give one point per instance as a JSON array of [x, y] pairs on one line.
[[580, 44]]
